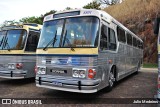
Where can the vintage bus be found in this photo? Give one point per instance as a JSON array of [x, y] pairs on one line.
[[85, 50], [18, 45]]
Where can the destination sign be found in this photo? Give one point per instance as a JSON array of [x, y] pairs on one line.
[[66, 14]]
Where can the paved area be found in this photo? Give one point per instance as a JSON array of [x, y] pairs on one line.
[[141, 85]]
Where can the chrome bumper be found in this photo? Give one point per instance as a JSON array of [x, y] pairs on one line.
[[68, 84], [14, 74]]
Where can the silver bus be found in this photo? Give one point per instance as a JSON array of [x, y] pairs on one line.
[[85, 51], [18, 44]]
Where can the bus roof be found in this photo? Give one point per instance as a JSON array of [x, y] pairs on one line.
[[89, 12], [71, 13], [20, 26]]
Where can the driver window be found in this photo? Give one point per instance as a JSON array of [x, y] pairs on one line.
[[104, 39]]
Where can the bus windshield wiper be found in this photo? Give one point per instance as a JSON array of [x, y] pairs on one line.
[[1, 42], [8, 47], [52, 41], [68, 42], [6, 43]]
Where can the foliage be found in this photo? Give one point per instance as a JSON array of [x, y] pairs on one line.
[[8, 22], [48, 13], [109, 2], [68, 8], [138, 16], [92, 5], [32, 19], [150, 65]]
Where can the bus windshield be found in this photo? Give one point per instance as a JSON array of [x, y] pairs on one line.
[[70, 32], [15, 39]]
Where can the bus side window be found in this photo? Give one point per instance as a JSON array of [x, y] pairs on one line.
[[103, 40], [142, 45], [112, 39], [134, 42], [137, 43], [121, 35], [32, 41], [129, 39]]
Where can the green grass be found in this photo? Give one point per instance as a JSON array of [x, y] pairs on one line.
[[150, 65]]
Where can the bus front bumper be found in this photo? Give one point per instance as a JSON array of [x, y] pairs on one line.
[[13, 74], [67, 84]]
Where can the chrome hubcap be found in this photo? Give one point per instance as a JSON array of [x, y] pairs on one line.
[[111, 79]]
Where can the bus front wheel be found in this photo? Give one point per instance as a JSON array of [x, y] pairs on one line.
[[138, 68], [111, 79]]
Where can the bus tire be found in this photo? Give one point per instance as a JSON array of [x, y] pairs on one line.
[[111, 80], [138, 67]]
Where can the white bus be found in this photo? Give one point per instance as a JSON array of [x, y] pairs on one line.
[[85, 51]]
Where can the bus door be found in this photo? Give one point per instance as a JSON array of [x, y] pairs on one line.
[[32, 40]]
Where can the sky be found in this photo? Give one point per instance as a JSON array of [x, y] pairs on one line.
[[17, 9]]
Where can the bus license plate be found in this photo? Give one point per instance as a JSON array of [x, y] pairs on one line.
[[57, 83]]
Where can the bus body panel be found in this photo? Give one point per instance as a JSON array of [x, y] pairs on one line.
[[55, 65], [27, 71], [126, 64]]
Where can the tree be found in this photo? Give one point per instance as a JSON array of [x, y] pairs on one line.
[[68, 8], [8, 22], [110, 2], [32, 19], [48, 13], [92, 5]]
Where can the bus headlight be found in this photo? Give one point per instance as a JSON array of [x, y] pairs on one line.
[[41, 70], [75, 73], [11, 66], [79, 73], [82, 73]]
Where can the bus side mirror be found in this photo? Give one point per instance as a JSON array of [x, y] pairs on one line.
[[156, 26]]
